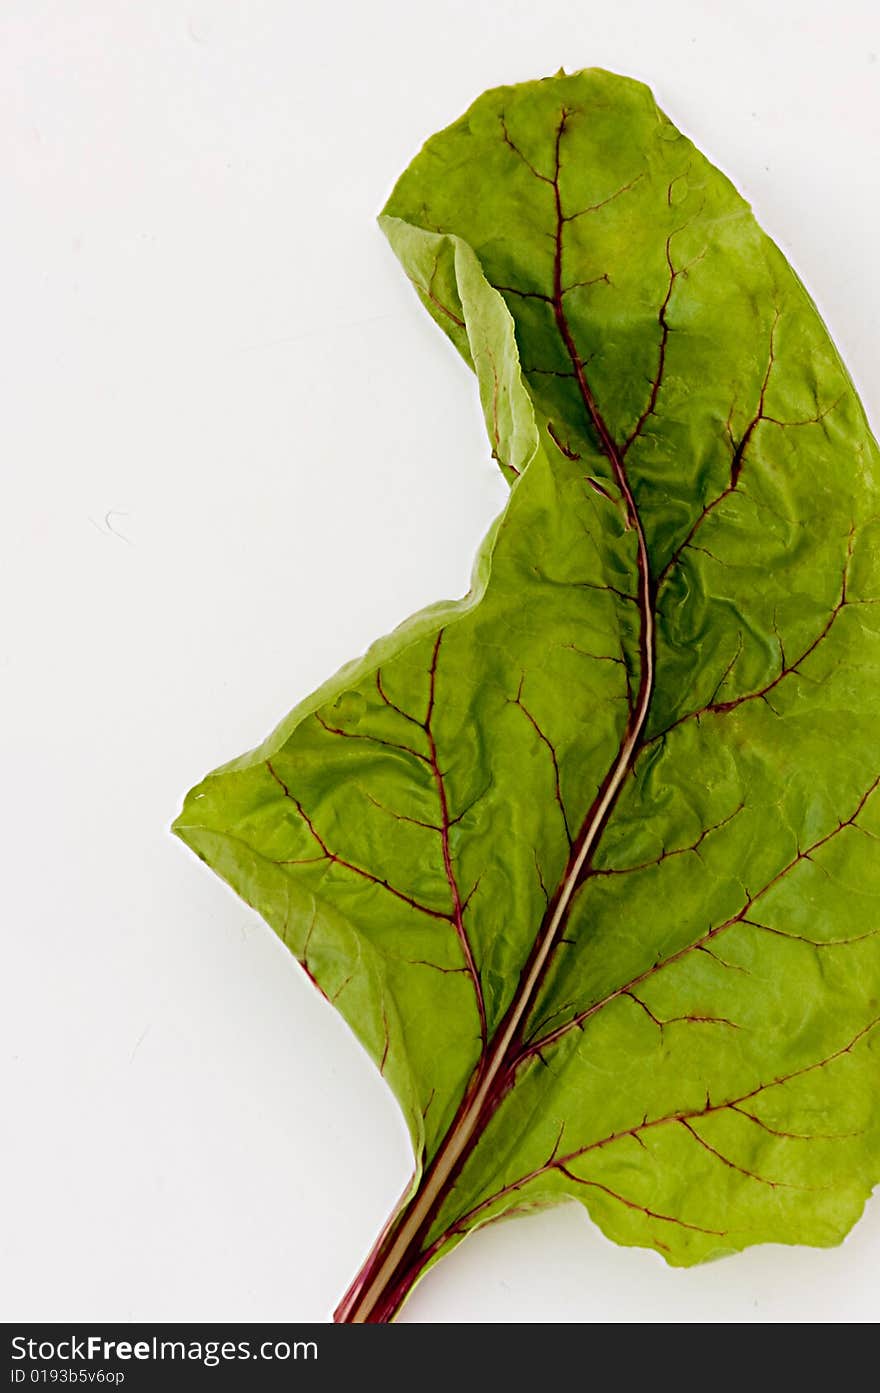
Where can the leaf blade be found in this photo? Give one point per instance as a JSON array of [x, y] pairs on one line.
[[601, 797]]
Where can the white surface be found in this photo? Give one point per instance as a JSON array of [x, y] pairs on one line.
[[236, 450]]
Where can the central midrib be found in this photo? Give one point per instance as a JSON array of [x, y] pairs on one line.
[[489, 1084]]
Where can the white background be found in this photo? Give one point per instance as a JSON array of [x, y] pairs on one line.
[[235, 450]]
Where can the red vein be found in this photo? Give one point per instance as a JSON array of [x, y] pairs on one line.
[[304, 960], [736, 464], [604, 279], [791, 1136], [373, 739], [384, 1059], [546, 741], [735, 1166], [341, 988], [496, 433], [632, 1204], [665, 855], [547, 372], [603, 203], [458, 907], [679, 1020], [337, 860], [393, 705], [518, 152], [402, 817], [560, 445], [523, 294], [599, 488], [661, 353], [444, 309], [428, 291], [456, 917], [539, 1045], [815, 942], [544, 891], [619, 660], [786, 668]]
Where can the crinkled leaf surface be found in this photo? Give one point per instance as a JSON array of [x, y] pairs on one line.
[[588, 860]]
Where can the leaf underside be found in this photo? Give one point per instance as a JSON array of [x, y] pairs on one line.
[[588, 860]]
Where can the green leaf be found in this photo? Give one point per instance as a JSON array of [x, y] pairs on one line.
[[588, 859]]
